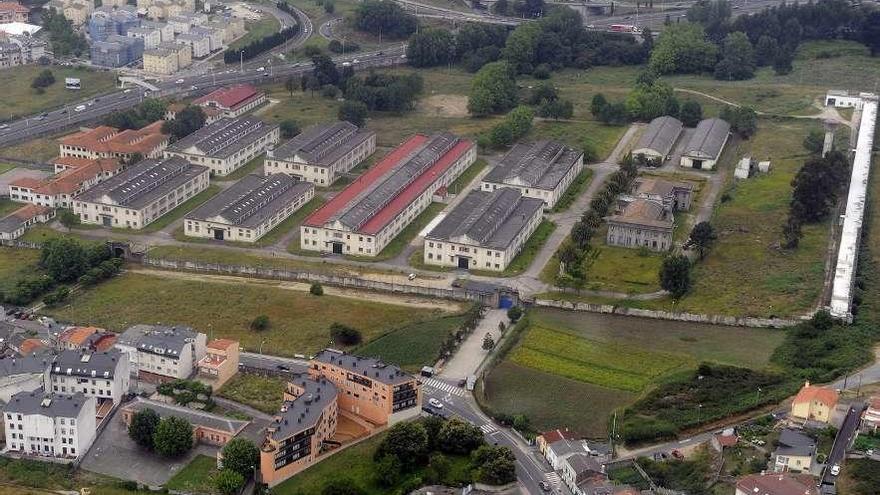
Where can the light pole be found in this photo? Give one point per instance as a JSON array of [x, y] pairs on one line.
[[241, 61], [261, 345]]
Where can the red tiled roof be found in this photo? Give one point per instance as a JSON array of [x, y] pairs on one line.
[[109, 140], [14, 6], [812, 393], [727, 440], [71, 179], [874, 403], [27, 182], [89, 138], [106, 164], [556, 435], [30, 345], [222, 344], [230, 97], [77, 335], [777, 484], [29, 212]]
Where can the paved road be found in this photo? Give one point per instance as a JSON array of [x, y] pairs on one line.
[[272, 363], [844, 439]]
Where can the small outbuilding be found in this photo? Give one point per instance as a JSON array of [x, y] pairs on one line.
[[706, 144], [657, 141]]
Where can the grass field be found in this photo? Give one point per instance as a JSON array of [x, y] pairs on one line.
[[260, 392], [44, 149], [413, 346], [257, 30], [16, 263], [19, 99], [299, 322], [7, 206], [6, 167], [196, 477], [624, 270], [574, 190]]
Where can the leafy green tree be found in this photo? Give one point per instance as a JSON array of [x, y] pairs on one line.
[[713, 15], [494, 465], [241, 455], [57, 296], [324, 70], [430, 48], [316, 289], [459, 437], [344, 334], [675, 275], [342, 486], [68, 219], [289, 128], [186, 122], [64, 38], [43, 80], [143, 427], [384, 19], [683, 49], [742, 120], [557, 109], [408, 442], [439, 466], [737, 58], [520, 49], [388, 471], [64, 259], [354, 112], [650, 100], [782, 64], [702, 237], [765, 50], [598, 104], [291, 84], [871, 33], [229, 482], [173, 437], [488, 342], [814, 141], [493, 90], [691, 113], [329, 7], [260, 323], [543, 93], [514, 313]]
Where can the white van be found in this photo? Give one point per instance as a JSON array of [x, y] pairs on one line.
[[79, 108]]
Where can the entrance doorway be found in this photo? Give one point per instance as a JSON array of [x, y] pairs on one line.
[[698, 164], [464, 262], [107, 221], [337, 248], [218, 234]]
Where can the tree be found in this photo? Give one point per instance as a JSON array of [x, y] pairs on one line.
[[514, 313], [384, 19], [702, 236], [675, 275], [57, 296], [871, 32], [683, 49], [64, 38], [493, 90], [173, 437], [229, 482], [816, 186], [766, 50], [557, 109], [143, 427], [543, 93], [408, 442], [186, 122], [324, 70], [691, 113], [342, 486], [329, 7], [742, 120], [354, 112], [291, 84], [388, 470], [43, 80], [260, 323], [488, 342], [650, 100], [713, 15], [431, 47], [581, 234], [459, 437], [782, 62], [316, 289], [598, 104], [814, 141], [241, 455], [68, 219], [494, 465], [439, 466], [64, 259], [791, 233], [737, 58], [344, 334], [289, 128]]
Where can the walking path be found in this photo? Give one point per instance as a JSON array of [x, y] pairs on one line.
[[826, 113], [470, 353]]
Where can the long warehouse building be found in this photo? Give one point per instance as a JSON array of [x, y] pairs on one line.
[[850, 235], [364, 217]]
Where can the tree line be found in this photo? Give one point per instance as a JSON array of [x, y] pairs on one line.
[[815, 190], [64, 38], [384, 19], [256, 47], [152, 110]]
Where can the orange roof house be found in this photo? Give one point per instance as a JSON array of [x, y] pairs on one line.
[[109, 142], [75, 175], [814, 403], [75, 337]]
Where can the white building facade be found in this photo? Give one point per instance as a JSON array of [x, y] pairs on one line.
[[50, 425]]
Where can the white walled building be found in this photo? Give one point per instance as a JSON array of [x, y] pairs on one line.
[[485, 231], [542, 170], [25, 374], [842, 99], [50, 425], [152, 37], [162, 353], [226, 145], [365, 216], [102, 375], [321, 153], [705, 145]]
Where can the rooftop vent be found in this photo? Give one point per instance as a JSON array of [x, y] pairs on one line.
[[46, 402]]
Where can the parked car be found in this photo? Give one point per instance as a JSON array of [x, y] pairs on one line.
[[835, 470], [677, 454], [462, 383], [544, 486], [435, 403]]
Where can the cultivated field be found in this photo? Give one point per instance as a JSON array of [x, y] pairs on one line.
[[260, 392], [415, 345]]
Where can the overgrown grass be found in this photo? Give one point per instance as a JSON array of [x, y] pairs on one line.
[[257, 30], [15, 264], [37, 149], [6, 167], [578, 186], [7, 206], [181, 210], [260, 392], [196, 477], [523, 260], [19, 99], [624, 270], [413, 346], [457, 186]]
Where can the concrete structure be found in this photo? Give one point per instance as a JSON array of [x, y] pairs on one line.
[[200, 43], [233, 101], [166, 9], [322, 153], [106, 21], [842, 99], [704, 148], [116, 51], [871, 416], [10, 55], [814, 403], [49, 425], [102, 375], [296, 438], [485, 231], [165, 30], [795, 453], [659, 138], [25, 374], [364, 217], [249, 209], [13, 12], [556, 451], [583, 475], [20, 29], [641, 223], [75, 176], [226, 145], [19, 49], [546, 438], [541, 170], [208, 428], [776, 484], [76, 11], [109, 142], [167, 58], [674, 196], [15, 224], [851, 232], [161, 353], [141, 194], [220, 362], [380, 393], [215, 38], [152, 37]]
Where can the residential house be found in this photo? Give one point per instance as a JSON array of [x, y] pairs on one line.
[[102, 375], [546, 438], [871, 416], [152, 37], [220, 362], [163, 353], [74, 176], [583, 475], [208, 428], [776, 484], [49, 425], [233, 101], [22, 374], [543, 170], [74, 338], [814, 403], [795, 452]]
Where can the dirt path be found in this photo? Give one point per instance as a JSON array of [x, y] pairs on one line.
[[826, 113], [411, 301]]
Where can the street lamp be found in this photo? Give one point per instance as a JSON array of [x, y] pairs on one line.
[[261, 345]]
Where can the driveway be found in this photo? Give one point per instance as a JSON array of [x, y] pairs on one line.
[[114, 454], [470, 354]]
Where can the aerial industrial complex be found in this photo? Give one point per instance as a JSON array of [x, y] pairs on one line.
[[226, 145], [542, 170]]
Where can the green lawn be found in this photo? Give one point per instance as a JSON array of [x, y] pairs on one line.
[[16, 263], [457, 186], [181, 210], [260, 392], [196, 477], [20, 99], [299, 322], [44, 149], [574, 190], [257, 30], [413, 346], [7, 206], [6, 167], [621, 269]]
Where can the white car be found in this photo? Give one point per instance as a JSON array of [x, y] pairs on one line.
[[835, 470], [435, 403], [79, 108], [179, 81], [261, 69]]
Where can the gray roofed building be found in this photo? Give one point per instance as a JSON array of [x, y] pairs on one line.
[[372, 368], [794, 443], [161, 352], [324, 145], [143, 183], [24, 365], [226, 144], [158, 339], [251, 201], [641, 223], [659, 138], [55, 405], [192, 416], [304, 411], [705, 145], [542, 170], [84, 364]]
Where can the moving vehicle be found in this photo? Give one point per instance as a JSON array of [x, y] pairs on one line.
[[435, 403], [79, 108], [544, 486], [179, 81], [625, 28], [261, 69], [4, 127], [835, 470]]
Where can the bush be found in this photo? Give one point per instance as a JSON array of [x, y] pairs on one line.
[[316, 289], [514, 313], [260, 323], [344, 334], [229, 482], [542, 71]]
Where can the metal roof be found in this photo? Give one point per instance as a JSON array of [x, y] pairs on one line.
[[192, 416], [323, 144], [52, 405], [487, 219], [158, 339], [541, 165], [24, 366], [660, 135], [144, 182], [223, 138], [253, 200], [708, 139], [305, 411], [368, 367]]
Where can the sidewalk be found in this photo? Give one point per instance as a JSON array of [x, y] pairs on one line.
[[470, 354]]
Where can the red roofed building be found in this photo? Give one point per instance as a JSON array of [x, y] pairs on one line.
[[13, 12], [29, 346], [75, 337], [365, 216], [814, 403], [109, 142], [233, 101], [548, 437], [776, 484], [73, 177], [212, 114]]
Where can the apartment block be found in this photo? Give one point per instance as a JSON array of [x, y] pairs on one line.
[[102, 375], [226, 145], [321, 153], [141, 193], [220, 362], [60, 426], [365, 216], [162, 353], [152, 37]]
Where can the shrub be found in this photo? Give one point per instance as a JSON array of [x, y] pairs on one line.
[[344, 334], [316, 289], [260, 323], [514, 313]]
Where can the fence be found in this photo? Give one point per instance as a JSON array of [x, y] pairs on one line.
[[745, 321], [336, 280], [19, 244]]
